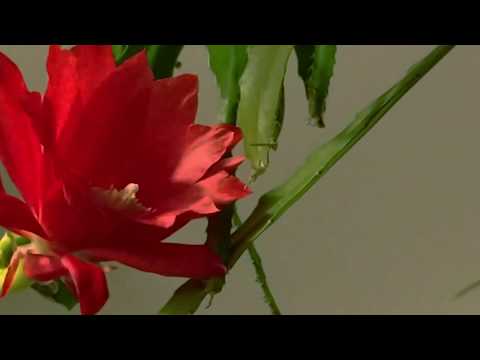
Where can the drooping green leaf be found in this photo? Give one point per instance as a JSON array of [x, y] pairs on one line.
[[57, 292], [162, 58], [315, 67], [261, 101], [276, 202], [228, 62]]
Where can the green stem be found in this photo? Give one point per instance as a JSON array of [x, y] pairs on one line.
[[259, 270], [262, 280], [276, 203]]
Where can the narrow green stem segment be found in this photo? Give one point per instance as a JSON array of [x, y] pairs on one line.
[[467, 290], [262, 280], [275, 203], [259, 270]]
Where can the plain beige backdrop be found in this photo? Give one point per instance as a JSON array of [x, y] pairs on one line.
[[392, 229]]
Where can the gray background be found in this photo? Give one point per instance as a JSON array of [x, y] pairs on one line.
[[392, 229]]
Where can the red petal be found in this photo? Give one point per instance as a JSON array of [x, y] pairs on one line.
[[205, 146], [224, 188], [229, 165], [181, 200], [43, 268], [172, 111], [177, 260], [100, 139], [20, 149], [73, 76], [201, 156], [90, 284], [174, 101], [16, 216], [94, 64], [71, 220]]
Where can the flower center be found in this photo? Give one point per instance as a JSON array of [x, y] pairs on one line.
[[124, 200]]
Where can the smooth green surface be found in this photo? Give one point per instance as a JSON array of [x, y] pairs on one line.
[[228, 62], [260, 112]]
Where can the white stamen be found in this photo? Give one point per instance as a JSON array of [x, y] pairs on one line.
[[120, 200]]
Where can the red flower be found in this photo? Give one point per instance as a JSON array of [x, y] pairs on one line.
[[109, 163]]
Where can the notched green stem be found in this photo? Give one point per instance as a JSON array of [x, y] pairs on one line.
[[262, 280], [260, 272]]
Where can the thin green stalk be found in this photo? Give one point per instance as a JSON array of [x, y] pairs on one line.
[[467, 290], [259, 270], [262, 280], [275, 203]]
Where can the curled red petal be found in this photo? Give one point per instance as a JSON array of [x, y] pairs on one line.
[[16, 216], [90, 284], [43, 268], [224, 188], [88, 280], [200, 157], [229, 165], [204, 147], [177, 260]]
